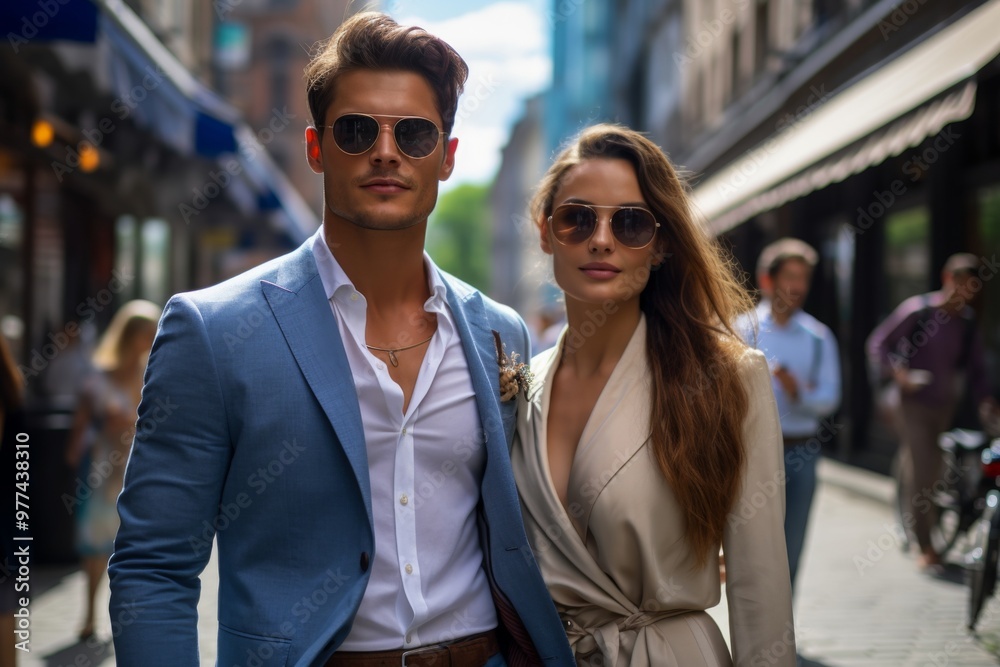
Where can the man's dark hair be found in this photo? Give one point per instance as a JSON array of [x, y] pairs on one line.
[[777, 253], [371, 40]]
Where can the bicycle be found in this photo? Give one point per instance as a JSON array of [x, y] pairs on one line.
[[963, 499], [981, 559]]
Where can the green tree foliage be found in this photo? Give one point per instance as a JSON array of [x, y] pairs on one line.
[[459, 233]]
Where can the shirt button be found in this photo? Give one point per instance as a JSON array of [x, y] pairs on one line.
[[403, 499], [409, 639], [354, 296], [408, 568], [381, 366], [404, 430]]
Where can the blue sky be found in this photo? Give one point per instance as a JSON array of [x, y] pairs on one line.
[[506, 45]]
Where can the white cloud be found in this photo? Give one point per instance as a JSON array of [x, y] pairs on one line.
[[506, 47]]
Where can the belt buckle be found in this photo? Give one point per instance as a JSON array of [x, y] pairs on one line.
[[420, 649]]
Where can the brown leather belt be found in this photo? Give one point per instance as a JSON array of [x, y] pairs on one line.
[[472, 651]]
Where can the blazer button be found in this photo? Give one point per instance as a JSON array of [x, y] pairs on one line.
[[364, 561]]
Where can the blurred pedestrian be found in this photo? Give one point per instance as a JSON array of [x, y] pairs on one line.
[[653, 428], [804, 361], [931, 349], [101, 437], [333, 418], [11, 423]]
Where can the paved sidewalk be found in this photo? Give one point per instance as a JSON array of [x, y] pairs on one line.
[[860, 603]]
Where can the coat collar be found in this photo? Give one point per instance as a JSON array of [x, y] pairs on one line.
[[616, 430]]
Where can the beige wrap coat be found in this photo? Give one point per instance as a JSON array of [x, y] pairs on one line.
[[615, 560]]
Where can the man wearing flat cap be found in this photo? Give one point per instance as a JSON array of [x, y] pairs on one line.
[[931, 348]]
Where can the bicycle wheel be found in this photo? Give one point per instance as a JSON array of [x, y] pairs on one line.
[[983, 558], [946, 528]]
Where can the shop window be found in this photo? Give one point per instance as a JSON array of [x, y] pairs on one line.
[[155, 260], [988, 200], [11, 273], [907, 255], [126, 260]]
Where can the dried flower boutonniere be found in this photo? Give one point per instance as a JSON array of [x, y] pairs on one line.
[[515, 376]]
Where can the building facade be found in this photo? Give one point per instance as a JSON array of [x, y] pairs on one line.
[[867, 128]]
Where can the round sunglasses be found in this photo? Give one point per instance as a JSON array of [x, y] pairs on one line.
[[356, 133], [632, 226]]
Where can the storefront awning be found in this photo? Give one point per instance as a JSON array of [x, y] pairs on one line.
[[275, 195], [151, 87], [894, 108]]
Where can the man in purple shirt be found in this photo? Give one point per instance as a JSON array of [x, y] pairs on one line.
[[931, 348]]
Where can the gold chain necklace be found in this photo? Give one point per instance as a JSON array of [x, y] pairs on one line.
[[393, 350]]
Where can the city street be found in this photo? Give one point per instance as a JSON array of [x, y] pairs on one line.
[[861, 601]]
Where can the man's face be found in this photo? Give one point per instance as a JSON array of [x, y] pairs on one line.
[[790, 284], [965, 288], [382, 188]]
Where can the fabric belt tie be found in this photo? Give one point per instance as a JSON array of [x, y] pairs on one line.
[[473, 651], [607, 637]]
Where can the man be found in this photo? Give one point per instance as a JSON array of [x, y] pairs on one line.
[[931, 348], [333, 419], [805, 366]]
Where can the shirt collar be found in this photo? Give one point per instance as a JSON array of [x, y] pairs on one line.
[[335, 280], [764, 315]]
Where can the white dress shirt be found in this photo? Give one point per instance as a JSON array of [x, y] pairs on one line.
[[426, 466], [807, 349]]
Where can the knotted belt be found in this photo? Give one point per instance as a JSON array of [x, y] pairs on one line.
[[607, 637]]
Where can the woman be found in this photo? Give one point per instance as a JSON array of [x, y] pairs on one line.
[[650, 436], [104, 425]]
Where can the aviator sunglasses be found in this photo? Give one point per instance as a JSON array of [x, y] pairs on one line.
[[356, 133], [631, 226]]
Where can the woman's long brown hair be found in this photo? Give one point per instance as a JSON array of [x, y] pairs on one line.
[[691, 301]]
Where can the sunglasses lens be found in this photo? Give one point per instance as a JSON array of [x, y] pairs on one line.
[[633, 227], [354, 133], [572, 223], [416, 137]]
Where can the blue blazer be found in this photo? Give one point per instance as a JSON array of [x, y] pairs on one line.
[[250, 432]]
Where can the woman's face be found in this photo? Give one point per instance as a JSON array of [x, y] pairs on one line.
[[600, 268]]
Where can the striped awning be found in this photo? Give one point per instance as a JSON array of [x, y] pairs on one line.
[[896, 107]]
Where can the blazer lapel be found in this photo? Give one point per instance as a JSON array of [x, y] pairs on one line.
[[480, 353], [303, 313]]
